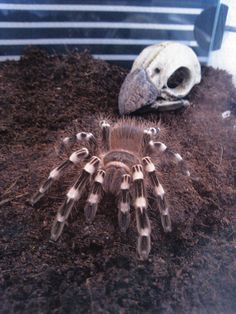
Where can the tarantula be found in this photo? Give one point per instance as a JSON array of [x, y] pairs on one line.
[[122, 152]]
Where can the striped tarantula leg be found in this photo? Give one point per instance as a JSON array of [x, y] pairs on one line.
[[140, 203], [94, 196], [160, 194], [161, 147], [68, 142], [105, 126], [124, 203], [56, 173], [73, 196]]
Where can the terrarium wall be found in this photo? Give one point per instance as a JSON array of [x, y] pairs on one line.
[[113, 31]]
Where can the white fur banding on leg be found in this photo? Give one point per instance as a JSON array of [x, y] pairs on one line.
[[124, 203], [105, 126], [140, 203], [160, 194], [152, 131], [143, 223], [125, 183], [158, 146], [56, 173], [139, 190], [73, 195], [176, 157], [94, 196], [79, 155], [86, 136], [148, 164], [137, 172], [144, 231], [92, 165], [69, 141]]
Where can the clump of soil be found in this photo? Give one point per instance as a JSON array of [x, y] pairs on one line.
[[95, 268]]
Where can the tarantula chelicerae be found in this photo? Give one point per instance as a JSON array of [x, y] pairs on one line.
[[115, 164]]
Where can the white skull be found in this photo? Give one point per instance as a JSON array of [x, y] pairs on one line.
[[160, 77]]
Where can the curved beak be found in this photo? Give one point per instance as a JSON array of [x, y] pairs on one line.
[[136, 92]]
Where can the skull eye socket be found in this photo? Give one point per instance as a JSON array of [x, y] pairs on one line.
[[179, 78]]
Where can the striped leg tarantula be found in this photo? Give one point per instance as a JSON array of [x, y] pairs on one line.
[[120, 162]]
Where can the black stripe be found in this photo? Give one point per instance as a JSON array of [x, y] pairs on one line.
[[142, 217], [124, 220], [46, 185], [97, 188], [64, 165], [82, 180], [139, 188], [83, 16], [105, 136], [125, 198], [20, 33], [147, 3], [93, 49], [66, 207], [154, 178], [162, 203]]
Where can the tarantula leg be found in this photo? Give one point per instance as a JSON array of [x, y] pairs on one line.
[[68, 142], [94, 196], [73, 196], [143, 223], [124, 203], [56, 173], [105, 134], [161, 147], [160, 194]]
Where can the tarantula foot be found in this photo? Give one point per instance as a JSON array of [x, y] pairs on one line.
[[166, 222], [36, 198], [90, 212], [124, 220], [57, 229], [144, 247]]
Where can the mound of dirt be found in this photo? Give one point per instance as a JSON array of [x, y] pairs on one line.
[[94, 268]]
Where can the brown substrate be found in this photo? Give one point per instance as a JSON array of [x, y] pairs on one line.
[[94, 269]]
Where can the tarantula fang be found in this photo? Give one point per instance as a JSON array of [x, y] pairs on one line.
[[124, 165]]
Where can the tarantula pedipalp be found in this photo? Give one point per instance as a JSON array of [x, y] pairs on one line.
[[125, 150]]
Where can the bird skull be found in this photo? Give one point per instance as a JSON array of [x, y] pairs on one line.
[[161, 76]]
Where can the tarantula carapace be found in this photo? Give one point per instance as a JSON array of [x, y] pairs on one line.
[[119, 162]]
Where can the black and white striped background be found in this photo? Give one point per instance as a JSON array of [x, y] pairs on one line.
[[116, 31]]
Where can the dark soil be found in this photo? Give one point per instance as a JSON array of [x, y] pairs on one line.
[[94, 268]]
